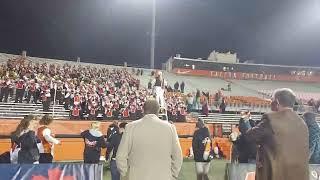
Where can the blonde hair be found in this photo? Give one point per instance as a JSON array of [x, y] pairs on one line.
[[95, 125]]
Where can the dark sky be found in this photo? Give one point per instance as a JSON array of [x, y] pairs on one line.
[[114, 31]]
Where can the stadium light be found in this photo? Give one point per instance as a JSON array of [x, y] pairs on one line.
[[153, 34], [153, 29]]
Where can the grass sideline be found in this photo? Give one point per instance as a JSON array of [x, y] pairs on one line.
[[217, 170]]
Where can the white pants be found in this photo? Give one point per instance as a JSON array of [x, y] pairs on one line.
[[159, 95], [202, 167]]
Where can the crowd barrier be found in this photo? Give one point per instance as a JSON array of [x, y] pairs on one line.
[[70, 171], [247, 171], [69, 132]]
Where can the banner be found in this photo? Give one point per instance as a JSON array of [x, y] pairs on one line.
[[51, 171], [247, 171]]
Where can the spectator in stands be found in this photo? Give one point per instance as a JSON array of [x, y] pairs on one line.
[[32, 91], [163, 157], [169, 89], [205, 108], [4, 93], [189, 102], [182, 87], [223, 106], [201, 142], [311, 102], [197, 100], [282, 137], [20, 87], [206, 95], [176, 87], [26, 137], [229, 86], [314, 137], [94, 141], [150, 84], [216, 100], [112, 148], [75, 112], [46, 147], [46, 100]]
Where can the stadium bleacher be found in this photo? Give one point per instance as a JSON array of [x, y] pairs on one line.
[[19, 110], [245, 94]]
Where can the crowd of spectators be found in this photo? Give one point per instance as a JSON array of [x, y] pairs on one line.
[[88, 92], [314, 104]]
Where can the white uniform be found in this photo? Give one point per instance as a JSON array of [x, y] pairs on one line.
[[158, 91]]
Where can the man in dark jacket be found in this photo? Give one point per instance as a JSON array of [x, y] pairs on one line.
[[199, 146], [112, 147], [176, 87], [112, 130], [282, 137], [182, 87]]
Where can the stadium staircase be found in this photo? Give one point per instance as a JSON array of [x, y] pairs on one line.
[[19, 110]]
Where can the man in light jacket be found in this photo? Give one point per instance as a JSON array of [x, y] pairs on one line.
[[149, 148]]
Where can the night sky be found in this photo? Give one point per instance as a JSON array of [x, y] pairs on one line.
[[114, 31]]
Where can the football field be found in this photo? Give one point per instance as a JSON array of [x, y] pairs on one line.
[[187, 172]]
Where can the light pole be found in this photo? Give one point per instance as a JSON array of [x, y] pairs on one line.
[[153, 34]]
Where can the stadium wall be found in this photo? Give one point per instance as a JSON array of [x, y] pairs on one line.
[[72, 147]]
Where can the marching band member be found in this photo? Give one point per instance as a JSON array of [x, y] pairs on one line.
[[133, 112], [46, 100], [125, 113], [19, 91], [75, 114], [47, 140], [158, 86]]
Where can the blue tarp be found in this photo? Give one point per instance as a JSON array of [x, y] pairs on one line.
[[51, 171]]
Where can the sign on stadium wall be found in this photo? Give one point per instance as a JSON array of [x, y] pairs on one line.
[[51, 171], [247, 172], [245, 76]]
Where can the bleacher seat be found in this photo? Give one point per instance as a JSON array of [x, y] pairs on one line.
[[19, 110]]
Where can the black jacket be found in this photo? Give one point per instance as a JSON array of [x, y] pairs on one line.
[[247, 149], [112, 130], [29, 152], [93, 141], [197, 146], [113, 144]]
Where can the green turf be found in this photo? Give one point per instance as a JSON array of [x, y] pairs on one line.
[[187, 172]]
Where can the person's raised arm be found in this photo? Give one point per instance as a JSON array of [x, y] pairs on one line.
[[261, 131], [176, 154]]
